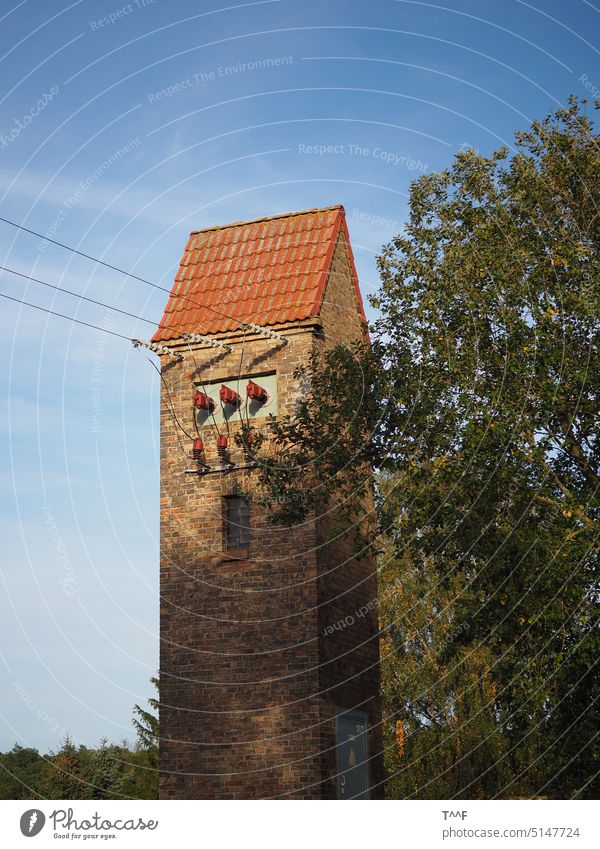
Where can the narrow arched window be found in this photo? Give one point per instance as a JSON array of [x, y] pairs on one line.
[[237, 525]]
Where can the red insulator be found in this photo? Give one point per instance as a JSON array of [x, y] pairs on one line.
[[222, 442], [229, 396], [197, 449], [256, 392], [203, 402]]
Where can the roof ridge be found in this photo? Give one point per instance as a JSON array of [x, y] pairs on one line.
[[268, 218], [267, 274]]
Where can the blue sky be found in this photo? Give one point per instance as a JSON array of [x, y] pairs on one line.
[[123, 126]]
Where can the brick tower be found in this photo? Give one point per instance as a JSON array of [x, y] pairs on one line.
[[261, 696]]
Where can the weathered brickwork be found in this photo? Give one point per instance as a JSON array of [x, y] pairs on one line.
[[250, 680]]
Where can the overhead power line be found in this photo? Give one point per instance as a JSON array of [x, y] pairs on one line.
[[152, 346], [79, 253], [77, 295], [159, 349], [136, 343], [67, 317], [255, 327]]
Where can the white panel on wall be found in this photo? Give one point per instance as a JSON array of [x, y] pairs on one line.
[[249, 410]]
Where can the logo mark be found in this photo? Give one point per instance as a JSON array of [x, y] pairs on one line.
[[32, 822]]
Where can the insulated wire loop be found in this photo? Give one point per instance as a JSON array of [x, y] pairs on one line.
[[194, 416], [247, 422], [170, 400]]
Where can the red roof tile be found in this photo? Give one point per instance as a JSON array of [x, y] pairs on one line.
[[267, 271]]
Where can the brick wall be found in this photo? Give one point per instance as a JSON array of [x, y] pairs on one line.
[[249, 681]]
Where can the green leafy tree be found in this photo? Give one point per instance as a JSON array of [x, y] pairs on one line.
[[22, 772], [441, 730], [478, 406]]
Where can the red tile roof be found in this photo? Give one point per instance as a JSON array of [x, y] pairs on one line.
[[266, 271]]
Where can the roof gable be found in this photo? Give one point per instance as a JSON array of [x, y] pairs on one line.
[[267, 271]]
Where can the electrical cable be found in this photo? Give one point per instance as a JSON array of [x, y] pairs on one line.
[[77, 295], [103, 330], [247, 422], [212, 410], [81, 297], [239, 374], [194, 414], [110, 333], [129, 274], [88, 324], [170, 400], [238, 386], [122, 336], [68, 317]]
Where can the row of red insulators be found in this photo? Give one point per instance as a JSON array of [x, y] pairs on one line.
[[202, 401], [222, 443]]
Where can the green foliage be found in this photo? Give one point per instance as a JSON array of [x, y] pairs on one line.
[[480, 415], [22, 773], [328, 446], [142, 780], [146, 723], [440, 728], [77, 772]]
